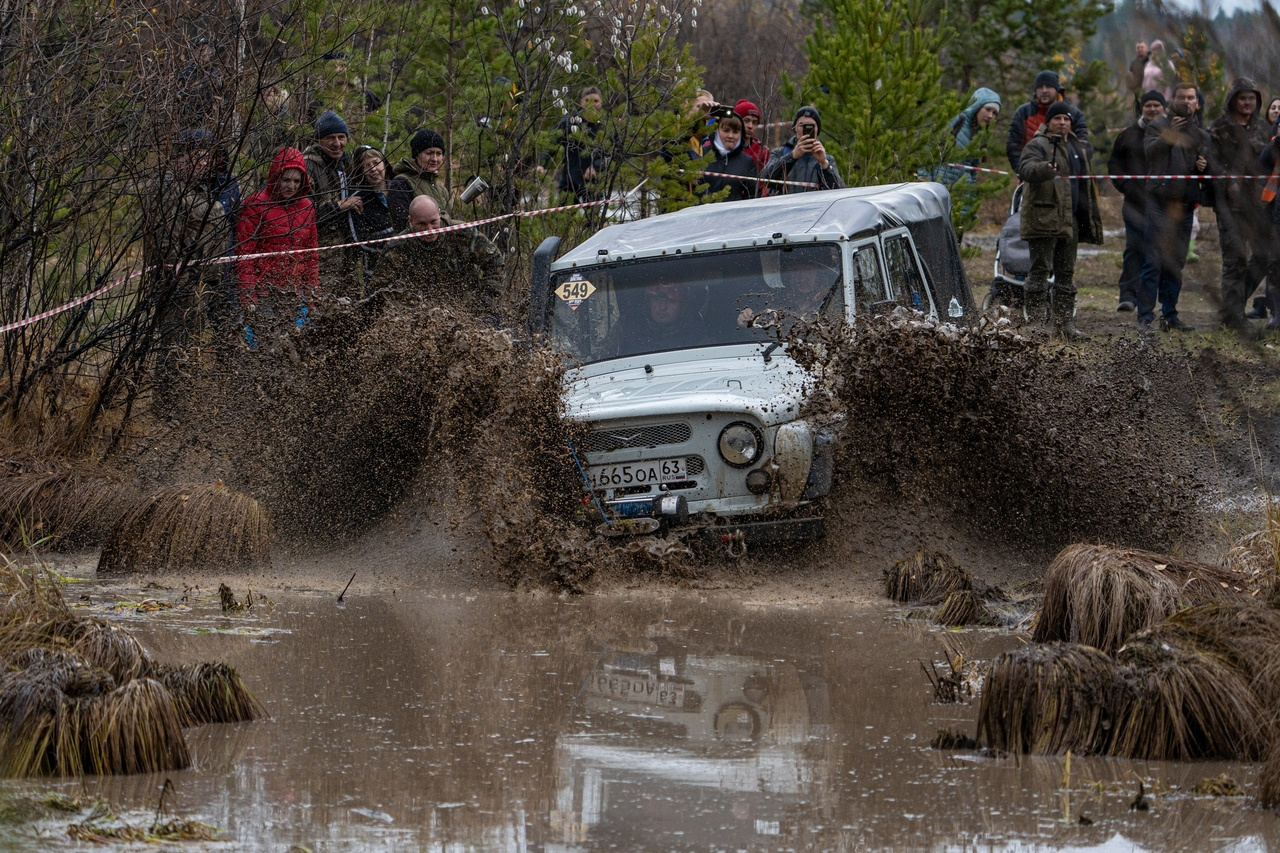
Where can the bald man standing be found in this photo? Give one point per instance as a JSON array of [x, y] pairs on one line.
[[459, 268]]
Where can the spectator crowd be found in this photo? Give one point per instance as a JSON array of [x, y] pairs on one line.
[[1166, 164]]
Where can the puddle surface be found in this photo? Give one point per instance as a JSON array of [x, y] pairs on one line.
[[529, 723]]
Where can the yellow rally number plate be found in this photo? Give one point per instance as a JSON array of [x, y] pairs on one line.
[[575, 292]]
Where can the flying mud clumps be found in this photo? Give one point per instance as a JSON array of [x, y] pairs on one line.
[[1018, 441], [377, 403]]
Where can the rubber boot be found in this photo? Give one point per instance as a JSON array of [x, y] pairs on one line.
[[1192, 257], [1064, 319], [1036, 306]]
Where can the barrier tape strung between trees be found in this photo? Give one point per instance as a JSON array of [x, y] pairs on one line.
[[809, 184], [1125, 177], [231, 259]]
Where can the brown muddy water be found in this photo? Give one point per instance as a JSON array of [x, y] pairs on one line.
[[685, 722]]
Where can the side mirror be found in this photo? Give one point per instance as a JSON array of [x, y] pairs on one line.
[[539, 285]]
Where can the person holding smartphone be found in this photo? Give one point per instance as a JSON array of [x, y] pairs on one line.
[[803, 159]]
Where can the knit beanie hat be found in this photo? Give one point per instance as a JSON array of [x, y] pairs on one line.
[[1153, 95], [424, 139], [1047, 78], [745, 108], [330, 123], [1057, 108], [809, 112]]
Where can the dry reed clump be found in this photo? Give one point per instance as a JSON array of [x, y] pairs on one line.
[[926, 577], [81, 696], [1176, 702], [963, 607], [1048, 698], [1100, 596], [210, 693], [1269, 779], [62, 508], [196, 526]]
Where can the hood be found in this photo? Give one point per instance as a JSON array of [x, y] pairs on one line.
[[288, 158], [714, 379], [1241, 85], [980, 97]]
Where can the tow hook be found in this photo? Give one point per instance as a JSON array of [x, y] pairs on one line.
[[736, 543]]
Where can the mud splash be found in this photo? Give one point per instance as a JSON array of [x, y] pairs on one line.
[[1008, 437], [993, 432]]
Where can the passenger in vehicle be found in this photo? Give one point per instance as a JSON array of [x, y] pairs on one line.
[[809, 287]]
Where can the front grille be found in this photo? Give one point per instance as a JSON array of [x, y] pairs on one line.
[[695, 465], [606, 440]]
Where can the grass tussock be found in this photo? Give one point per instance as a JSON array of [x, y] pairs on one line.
[[1269, 779], [925, 577], [1099, 596], [196, 526], [963, 607], [1177, 702], [61, 508], [1192, 687], [211, 693], [81, 696], [1048, 698]]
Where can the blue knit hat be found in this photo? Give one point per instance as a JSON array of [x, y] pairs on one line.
[[329, 124]]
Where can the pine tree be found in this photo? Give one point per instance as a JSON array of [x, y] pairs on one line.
[[875, 77], [1001, 44]]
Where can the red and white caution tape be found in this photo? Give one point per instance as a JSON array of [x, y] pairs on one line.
[[1126, 177], [74, 303], [809, 184], [231, 259]]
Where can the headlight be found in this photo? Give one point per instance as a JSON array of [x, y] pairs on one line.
[[740, 444]]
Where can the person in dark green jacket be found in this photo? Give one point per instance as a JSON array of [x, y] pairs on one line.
[[1058, 210]]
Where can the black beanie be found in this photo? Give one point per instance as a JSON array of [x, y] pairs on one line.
[[1153, 95], [1057, 108], [1047, 78], [424, 139], [808, 112], [330, 123]]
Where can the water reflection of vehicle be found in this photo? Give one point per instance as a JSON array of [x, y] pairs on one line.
[[678, 324], [686, 750]]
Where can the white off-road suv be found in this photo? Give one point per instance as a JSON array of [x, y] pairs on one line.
[[692, 402]]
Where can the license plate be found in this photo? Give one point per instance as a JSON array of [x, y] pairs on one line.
[[654, 472], [633, 688]]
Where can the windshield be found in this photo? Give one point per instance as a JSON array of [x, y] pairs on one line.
[[672, 303]]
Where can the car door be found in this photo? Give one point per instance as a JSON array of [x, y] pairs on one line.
[[907, 283]]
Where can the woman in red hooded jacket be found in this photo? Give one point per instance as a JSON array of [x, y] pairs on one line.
[[276, 218]]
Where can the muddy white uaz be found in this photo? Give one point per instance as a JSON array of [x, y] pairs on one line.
[[693, 406]]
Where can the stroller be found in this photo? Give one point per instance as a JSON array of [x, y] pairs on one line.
[[1013, 263]]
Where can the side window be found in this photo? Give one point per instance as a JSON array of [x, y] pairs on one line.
[[904, 274], [868, 280]]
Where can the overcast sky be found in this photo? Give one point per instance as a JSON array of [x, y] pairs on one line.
[[1227, 6]]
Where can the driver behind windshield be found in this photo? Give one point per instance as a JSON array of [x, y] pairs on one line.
[[809, 287], [665, 319]]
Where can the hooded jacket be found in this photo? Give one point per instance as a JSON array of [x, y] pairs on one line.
[[1054, 205], [1171, 151], [964, 128], [407, 183], [736, 162], [1238, 147], [1027, 121], [267, 225], [782, 168]]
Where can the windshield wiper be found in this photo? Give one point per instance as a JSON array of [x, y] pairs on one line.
[[768, 351]]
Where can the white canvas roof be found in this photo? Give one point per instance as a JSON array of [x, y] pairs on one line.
[[803, 216]]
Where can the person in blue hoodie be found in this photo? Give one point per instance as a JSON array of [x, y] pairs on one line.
[[984, 108], [729, 157]]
